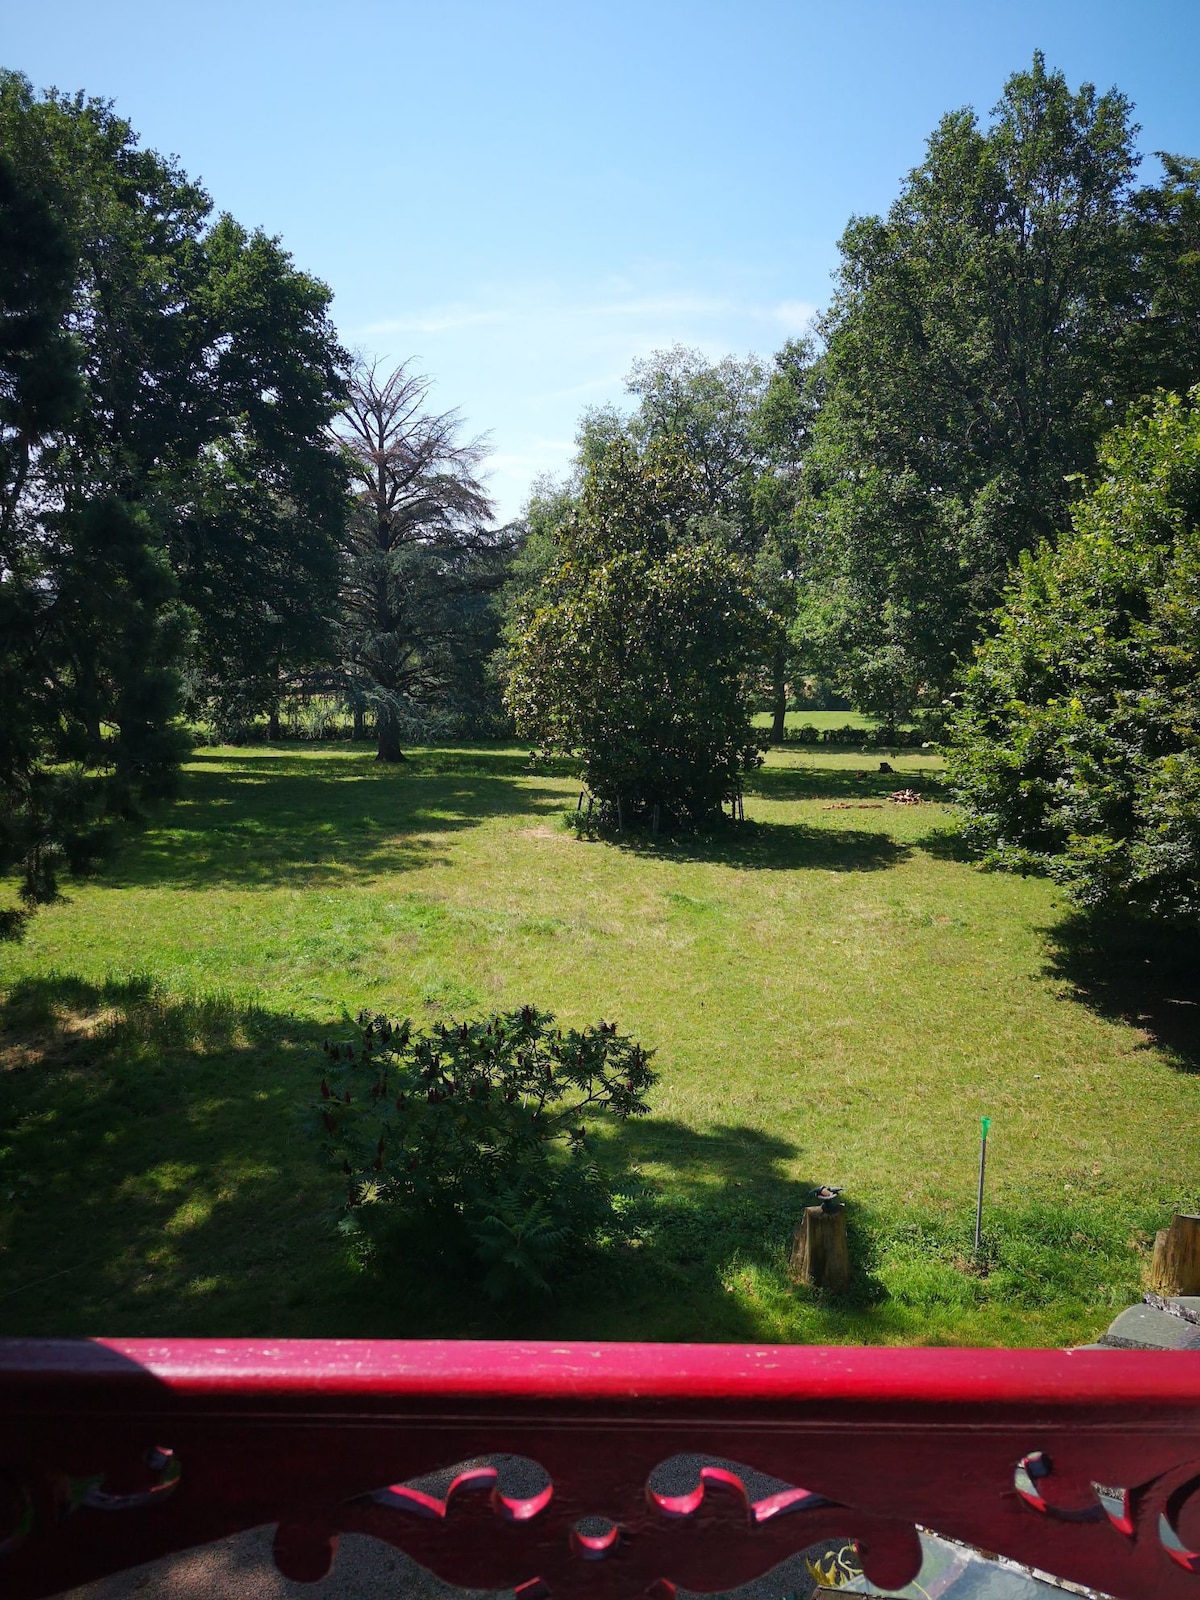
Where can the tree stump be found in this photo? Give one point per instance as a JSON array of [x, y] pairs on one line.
[[1175, 1268], [820, 1252]]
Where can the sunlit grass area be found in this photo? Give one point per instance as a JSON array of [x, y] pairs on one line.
[[834, 995], [818, 719]]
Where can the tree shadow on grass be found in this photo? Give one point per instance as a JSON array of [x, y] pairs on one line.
[[774, 846], [864, 783], [153, 1180], [261, 818], [156, 1185], [1132, 973], [946, 844], [723, 1207]]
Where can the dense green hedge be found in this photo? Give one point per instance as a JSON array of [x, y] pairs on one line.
[[864, 738]]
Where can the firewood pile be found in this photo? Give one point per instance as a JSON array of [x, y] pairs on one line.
[[906, 797]]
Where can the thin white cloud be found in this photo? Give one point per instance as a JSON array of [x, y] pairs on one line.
[[447, 321], [606, 383], [676, 305], [522, 360], [548, 308], [794, 315]]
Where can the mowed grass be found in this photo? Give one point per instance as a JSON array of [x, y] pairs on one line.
[[833, 993], [818, 719]]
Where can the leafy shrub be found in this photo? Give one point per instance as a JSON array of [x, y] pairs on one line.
[[641, 649], [1076, 746], [865, 738], [473, 1138]]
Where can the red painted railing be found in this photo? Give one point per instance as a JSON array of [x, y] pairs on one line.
[[1084, 1464]]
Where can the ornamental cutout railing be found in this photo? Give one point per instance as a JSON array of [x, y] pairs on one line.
[[598, 1470]]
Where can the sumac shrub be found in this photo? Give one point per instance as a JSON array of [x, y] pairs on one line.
[[472, 1139]]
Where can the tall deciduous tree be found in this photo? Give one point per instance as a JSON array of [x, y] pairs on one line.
[[974, 358], [421, 560], [1162, 344], [155, 368], [744, 428], [709, 411], [40, 806], [257, 516], [1076, 744], [212, 372]]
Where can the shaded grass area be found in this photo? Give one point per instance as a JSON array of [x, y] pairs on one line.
[[769, 847], [1136, 975], [832, 995], [833, 777], [271, 818], [153, 1185]]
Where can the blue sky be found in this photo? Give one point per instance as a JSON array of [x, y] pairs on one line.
[[524, 196]]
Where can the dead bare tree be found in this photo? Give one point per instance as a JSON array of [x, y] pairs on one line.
[[419, 544]]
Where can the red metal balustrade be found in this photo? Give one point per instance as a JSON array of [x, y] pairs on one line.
[[1085, 1464]]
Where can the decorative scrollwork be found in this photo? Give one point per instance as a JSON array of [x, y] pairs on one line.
[[410, 1515], [1179, 1502], [1177, 1494], [155, 1480], [855, 1448], [515, 1507], [593, 1538], [730, 1475], [1028, 1480], [689, 1522], [1117, 1505]]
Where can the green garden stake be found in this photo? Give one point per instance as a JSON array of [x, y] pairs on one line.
[[985, 1124]]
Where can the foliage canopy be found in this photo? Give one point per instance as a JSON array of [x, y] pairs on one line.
[[1076, 745], [643, 644], [983, 338], [476, 1135], [167, 496]]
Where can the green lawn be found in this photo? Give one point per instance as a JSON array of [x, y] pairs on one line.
[[818, 719], [833, 993]]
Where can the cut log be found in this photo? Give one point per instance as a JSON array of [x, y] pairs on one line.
[[1175, 1268], [820, 1252]]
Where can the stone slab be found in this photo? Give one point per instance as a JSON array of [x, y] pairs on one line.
[[1150, 1328]]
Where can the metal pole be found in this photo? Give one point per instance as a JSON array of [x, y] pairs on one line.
[[985, 1125]]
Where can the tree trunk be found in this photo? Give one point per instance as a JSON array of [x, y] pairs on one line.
[[273, 721], [360, 729], [820, 1253], [1176, 1265], [778, 698], [387, 736]]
